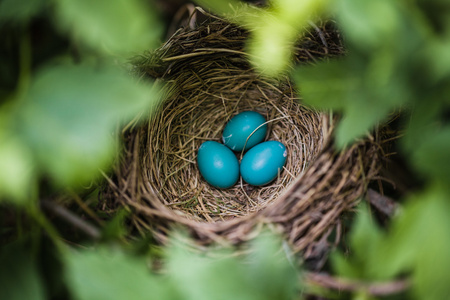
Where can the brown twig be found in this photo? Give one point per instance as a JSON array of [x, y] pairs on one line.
[[85, 207], [71, 218], [350, 285], [383, 204]]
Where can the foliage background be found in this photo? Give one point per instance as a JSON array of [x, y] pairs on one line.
[[65, 88]]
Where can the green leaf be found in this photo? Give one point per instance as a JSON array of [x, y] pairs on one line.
[[298, 13], [369, 25], [112, 275], [273, 30], [117, 26], [270, 269], [20, 11], [366, 239], [364, 93], [271, 46], [360, 117], [376, 76], [419, 243], [345, 266], [431, 155], [70, 114], [19, 275], [262, 275], [437, 14], [365, 242], [197, 277], [17, 176], [438, 54], [327, 85], [116, 227], [224, 7]]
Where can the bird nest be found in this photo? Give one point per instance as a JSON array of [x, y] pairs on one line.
[[208, 80]]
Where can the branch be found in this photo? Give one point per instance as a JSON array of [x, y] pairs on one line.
[[71, 218], [384, 204], [351, 285]]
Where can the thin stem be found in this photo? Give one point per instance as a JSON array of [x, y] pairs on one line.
[[352, 285]]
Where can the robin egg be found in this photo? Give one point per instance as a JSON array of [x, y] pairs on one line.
[[262, 163], [240, 127], [218, 164]]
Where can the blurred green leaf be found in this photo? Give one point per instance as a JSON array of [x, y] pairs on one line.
[[19, 275], [365, 242], [265, 274], [298, 13], [426, 142], [369, 24], [203, 279], [366, 236], [273, 30], [344, 266], [17, 175], [20, 11], [112, 275], [273, 35], [438, 54], [271, 47], [348, 86], [327, 85], [116, 227], [234, 10], [111, 26], [437, 13], [379, 74], [222, 7], [419, 243], [70, 114], [432, 157], [270, 268]]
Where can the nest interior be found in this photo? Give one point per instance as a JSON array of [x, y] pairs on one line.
[[207, 81], [198, 114]]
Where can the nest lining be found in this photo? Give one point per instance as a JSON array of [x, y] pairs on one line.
[[196, 115], [208, 80]]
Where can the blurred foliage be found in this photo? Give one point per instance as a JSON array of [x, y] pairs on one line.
[[274, 29], [74, 137], [417, 242], [116, 27], [20, 11], [382, 72], [65, 89], [19, 274], [58, 120], [264, 274], [110, 273], [105, 273]]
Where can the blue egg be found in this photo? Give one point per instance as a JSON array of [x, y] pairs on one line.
[[261, 164], [239, 128], [218, 164]]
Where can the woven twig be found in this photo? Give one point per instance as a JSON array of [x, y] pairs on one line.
[[208, 80]]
